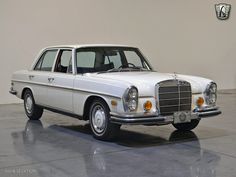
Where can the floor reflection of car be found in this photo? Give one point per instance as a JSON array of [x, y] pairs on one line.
[[37, 143]]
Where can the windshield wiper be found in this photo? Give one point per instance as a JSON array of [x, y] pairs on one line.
[[108, 71], [121, 69], [124, 69], [139, 68]]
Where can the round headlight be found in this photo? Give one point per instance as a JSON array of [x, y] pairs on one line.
[[130, 99], [211, 94], [132, 104], [213, 88], [212, 98], [133, 93]]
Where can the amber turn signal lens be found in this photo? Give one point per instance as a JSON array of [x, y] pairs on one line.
[[113, 103], [147, 106], [200, 101]]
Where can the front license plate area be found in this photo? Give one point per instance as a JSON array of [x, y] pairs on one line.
[[182, 117]]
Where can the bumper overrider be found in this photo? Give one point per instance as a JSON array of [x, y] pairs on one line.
[[152, 118], [13, 92]]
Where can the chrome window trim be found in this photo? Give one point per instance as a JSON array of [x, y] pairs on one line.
[[55, 60], [136, 50], [74, 67], [45, 50]]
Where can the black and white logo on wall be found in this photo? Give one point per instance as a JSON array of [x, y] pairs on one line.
[[222, 11]]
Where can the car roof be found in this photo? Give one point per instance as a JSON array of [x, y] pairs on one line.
[[87, 45]]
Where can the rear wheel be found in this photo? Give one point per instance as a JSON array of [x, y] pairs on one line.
[[32, 111], [187, 126], [99, 117]]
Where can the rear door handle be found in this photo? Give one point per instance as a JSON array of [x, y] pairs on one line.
[[31, 76]]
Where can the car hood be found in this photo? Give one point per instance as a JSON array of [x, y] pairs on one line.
[[146, 81]]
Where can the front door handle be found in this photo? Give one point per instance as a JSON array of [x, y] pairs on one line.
[[50, 79]]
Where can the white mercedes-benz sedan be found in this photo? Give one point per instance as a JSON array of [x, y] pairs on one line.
[[111, 85]]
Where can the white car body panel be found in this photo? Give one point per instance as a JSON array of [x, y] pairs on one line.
[[146, 81], [57, 95]]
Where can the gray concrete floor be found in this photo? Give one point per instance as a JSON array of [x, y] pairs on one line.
[[58, 146]]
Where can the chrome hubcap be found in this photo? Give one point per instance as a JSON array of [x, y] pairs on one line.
[[98, 119], [28, 103]]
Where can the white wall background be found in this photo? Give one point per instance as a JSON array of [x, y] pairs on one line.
[[182, 36]]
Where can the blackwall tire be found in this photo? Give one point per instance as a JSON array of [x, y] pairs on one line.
[[99, 118], [187, 126], [32, 111]]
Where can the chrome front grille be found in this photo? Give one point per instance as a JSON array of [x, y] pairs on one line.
[[174, 96]]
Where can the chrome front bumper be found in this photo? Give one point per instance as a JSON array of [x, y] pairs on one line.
[[208, 112], [148, 118]]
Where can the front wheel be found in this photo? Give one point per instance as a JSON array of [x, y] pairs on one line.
[[99, 117], [187, 126], [33, 111]]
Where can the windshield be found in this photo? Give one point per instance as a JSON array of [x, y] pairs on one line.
[[110, 59]]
